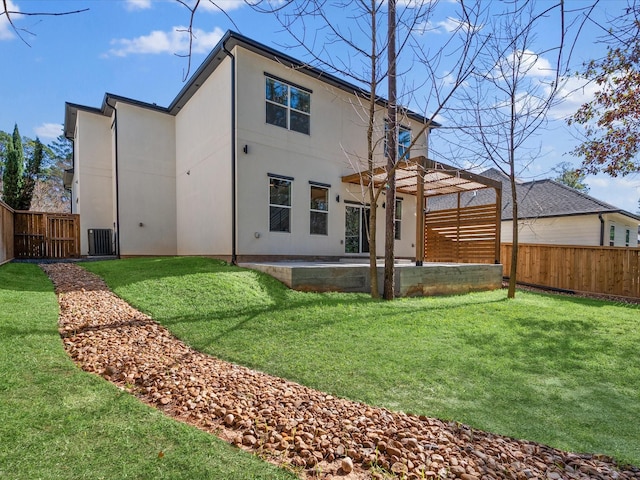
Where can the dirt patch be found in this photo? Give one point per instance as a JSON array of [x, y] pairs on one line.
[[314, 434]]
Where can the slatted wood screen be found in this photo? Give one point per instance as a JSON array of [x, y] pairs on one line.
[[46, 235], [6, 233], [462, 235], [604, 270]]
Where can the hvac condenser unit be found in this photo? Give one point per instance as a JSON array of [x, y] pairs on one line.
[[100, 241]]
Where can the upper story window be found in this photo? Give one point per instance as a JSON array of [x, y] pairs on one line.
[[319, 210], [288, 106], [280, 204], [404, 141]]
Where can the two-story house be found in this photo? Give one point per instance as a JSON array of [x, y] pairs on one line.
[[248, 162]]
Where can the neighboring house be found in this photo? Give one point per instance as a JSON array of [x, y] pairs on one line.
[[247, 161], [550, 212]]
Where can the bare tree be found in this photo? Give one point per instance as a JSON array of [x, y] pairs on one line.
[[507, 101], [366, 40], [10, 14]]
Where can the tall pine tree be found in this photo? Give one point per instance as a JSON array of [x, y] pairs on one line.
[[30, 176], [18, 184], [13, 168]]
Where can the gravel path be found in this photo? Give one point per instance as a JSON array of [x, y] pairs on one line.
[[315, 434]]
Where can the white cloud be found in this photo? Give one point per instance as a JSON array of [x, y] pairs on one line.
[[6, 30], [217, 5], [621, 192], [48, 131], [525, 63], [174, 42], [137, 4], [573, 92], [450, 25]]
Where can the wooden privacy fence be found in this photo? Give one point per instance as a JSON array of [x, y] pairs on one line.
[[6, 233], [463, 235], [46, 235], [603, 270]]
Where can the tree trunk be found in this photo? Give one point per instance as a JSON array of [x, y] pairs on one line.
[[392, 155], [511, 292], [371, 232]]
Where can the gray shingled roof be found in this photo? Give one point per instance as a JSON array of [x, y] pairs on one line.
[[538, 198]]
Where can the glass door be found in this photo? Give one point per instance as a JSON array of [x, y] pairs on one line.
[[356, 229]]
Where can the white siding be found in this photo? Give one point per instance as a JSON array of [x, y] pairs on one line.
[[621, 224], [336, 144], [146, 181], [572, 230], [93, 177], [203, 168]]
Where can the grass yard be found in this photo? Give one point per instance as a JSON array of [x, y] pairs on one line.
[[554, 369], [58, 422]]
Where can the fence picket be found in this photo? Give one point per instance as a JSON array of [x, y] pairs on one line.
[[602, 270]]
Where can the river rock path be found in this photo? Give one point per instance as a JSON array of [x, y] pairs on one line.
[[314, 434]]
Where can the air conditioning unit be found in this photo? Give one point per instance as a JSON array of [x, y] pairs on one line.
[[100, 241]]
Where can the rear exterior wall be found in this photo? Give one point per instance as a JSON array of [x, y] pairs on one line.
[[336, 146]]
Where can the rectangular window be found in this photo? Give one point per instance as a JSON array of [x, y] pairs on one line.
[[627, 237], [398, 218], [279, 204], [288, 106], [404, 141], [612, 235], [319, 210]]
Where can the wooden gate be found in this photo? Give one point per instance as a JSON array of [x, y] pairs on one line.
[[46, 235]]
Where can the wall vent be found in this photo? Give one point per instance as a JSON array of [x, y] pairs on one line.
[[100, 241]]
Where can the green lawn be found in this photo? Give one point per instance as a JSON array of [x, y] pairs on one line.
[[554, 369], [58, 422]]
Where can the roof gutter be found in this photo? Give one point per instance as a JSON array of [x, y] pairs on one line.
[[234, 253]]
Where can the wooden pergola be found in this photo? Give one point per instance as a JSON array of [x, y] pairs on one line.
[[458, 228]]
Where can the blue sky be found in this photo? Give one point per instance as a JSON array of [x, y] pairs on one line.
[[129, 47]]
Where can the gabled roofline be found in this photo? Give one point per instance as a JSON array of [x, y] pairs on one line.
[[229, 41], [606, 207], [232, 39], [106, 110]]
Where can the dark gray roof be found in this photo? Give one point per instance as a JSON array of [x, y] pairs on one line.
[[538, 198]]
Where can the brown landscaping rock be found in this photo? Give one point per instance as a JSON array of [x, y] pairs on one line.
[[286, 423], [346, 465]]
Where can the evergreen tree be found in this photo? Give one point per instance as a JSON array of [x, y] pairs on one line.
[[571, 177], [30, 176], [18, 184], [13, 168]]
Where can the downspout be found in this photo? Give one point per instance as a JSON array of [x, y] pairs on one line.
[[114, 126], [601, 229], [234, 255], [73, 165]]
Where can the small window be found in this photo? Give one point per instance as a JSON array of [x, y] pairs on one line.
[[319, 210], [612, 235], [404, 141], [287, 106], [398, 218], [279, 205], [627, 237]]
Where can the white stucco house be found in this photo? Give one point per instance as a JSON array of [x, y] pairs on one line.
[[552, 213], [248, 161]]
